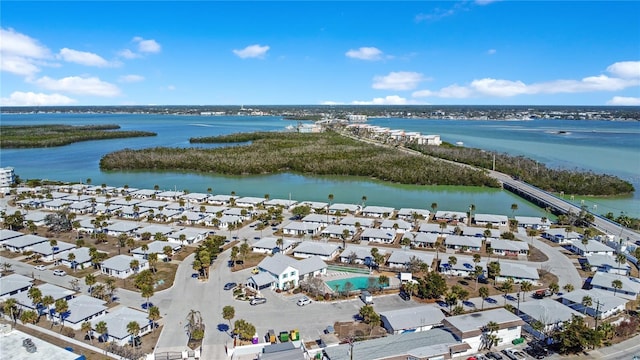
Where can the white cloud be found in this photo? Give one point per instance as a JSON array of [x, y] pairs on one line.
[[625, 69], [79, 85], [21, 54], [171, 87], [130, 78], [83, 58], [19, 98], [491, 51], [624, 100], [400, 80], [628, 72], [365, 53], [147, 46], [252, 51], [388, 100], [329, 102], [128, 54]]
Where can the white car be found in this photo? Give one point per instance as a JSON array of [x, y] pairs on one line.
[[59, 273], [40, 267], [303, 301]]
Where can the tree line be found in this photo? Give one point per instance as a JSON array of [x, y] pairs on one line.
[[34, 136], [555, 180], [313, 154]]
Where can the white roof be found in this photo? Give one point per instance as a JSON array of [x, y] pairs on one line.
[[12, 282], [280, 202], [450, 215], [8, 234], [377, 233], [606, 260], [153, 229], [156, 247], [56, 292], [604, 279], [435, 228], [82, 307], [592, 246], [316, 248], [352, 220], [24, 241], [152, 204], [45, 248], [512, 245], [457, 240], [361, 252], [121, 262], [404, 256], [492, 218], [606, 299], [522, 271], [378, 210], [409, 212], [301, 226], [319, 218], [531, 220], [277, 263], [338, 229], [315, 204], [401, 224], [310, 265], [414, 317], [122, 226], [271, 242], [548, 311], [343, 207], [118, 320], [250, 200], [81, 254], [429, 238], [479, 319]]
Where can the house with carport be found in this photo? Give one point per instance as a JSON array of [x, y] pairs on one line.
[[269, 245], [50, 253], [606, 263], [354, 254], [6, 234], [23, 243], [83, 308], [493, 219], [398, 226], [344, 208], [337, 231], [436, 229], [38, 218], [315, 206], [117, 321], [413, 319], [155, 247], [604, 281], [191, 236], [120, 266], [471, 328], [404, 258], [56, 204], [593, 247], [517, 272], [561, 236], [509, 247], [319, 219], [297, 228], [221, 199], [249, 201], [154, 230], [603, 303], [13, 284], [122, 227], [548, 312], [280, 203], [421, 239], [82, 258], [451, 216], [463, 266], [356, 220], [409, 214], [326, 251], [46, 289], [533, 222], [378, 211], [80, 207], [458, 242], [377, 236]]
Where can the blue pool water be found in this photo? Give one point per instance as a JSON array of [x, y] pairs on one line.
[[359, 283]]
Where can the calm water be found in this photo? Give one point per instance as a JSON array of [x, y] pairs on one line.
[[610, 147], [358, 283]]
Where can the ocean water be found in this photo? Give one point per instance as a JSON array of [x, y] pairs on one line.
[[601, 146]]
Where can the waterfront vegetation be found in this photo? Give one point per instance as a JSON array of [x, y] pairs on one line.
[[554, 180], [35, 136], [311, 154]]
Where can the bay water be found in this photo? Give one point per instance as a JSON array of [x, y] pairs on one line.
[[611, 147]]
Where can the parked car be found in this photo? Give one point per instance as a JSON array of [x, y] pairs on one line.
[[494, 356], [257, 301], [40, 267], [303, 301], [509, 354], [405, 296], [230, 285], [59, 272]]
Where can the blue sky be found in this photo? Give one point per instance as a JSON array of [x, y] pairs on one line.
[[245, 53]]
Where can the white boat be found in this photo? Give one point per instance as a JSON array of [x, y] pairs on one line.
[[459, 143]]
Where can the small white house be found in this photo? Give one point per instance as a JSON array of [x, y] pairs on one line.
[[120, 266], [414, 319], [603, 303], [117, 322], [326, 251]]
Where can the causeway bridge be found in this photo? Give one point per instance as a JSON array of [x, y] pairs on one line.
[[561, 206]]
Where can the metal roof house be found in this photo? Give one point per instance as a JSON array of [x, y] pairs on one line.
[[517, 272], [408, 214], [606, 263], [603, 303], [378, 211], [120, 266], [12, 284], [550, 313], [593, 247], [118, 320], [268, 245], [493, 219], [326, 251], [630, 286], [359, 254], [403, 258], [458, 242], [509, 247], [419, 318], [377, 235], [469, 328]]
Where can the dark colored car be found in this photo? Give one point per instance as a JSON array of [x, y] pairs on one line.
[[493, 355], [229, 286], [405, 296]]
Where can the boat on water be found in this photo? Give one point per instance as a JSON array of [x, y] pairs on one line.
[[459, 143]]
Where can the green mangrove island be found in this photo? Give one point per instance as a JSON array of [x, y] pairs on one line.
[[34, 136], [330, 153], [327, 153]]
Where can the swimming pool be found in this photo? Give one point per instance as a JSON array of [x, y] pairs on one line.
[[358, 283]]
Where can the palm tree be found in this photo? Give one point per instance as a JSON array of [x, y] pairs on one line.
[[434, 207], [86, 328], [554, 287], [506, 287], [154, 315], [364, 200], [484, 294], [616, 285], [330, 197], [525, 286], [72, 258], [146, 292], [11, 307], [472, 208], [101, 328], [61, 308], [489, 330], [35, 295], [53, 243], [47, 301], [134, 265], [153, 261], [29, 317], [452, 262], [90, 280], [568, 287], [514, 208], [133, 328], [586, 303], [621, 259]]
